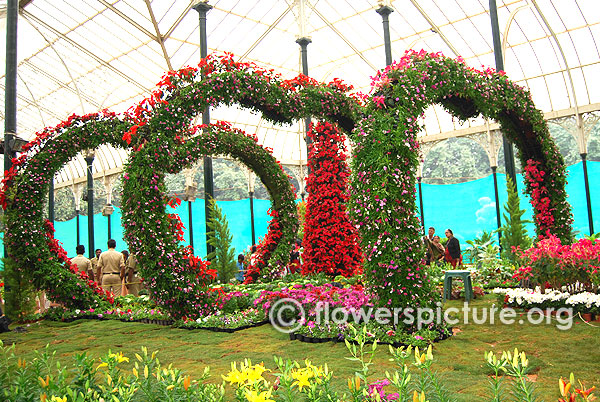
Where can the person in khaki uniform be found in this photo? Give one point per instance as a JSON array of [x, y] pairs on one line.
[[94, 262], [111, 269], [133, 280], [83, 264]]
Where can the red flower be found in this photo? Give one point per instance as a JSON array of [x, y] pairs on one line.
[[331, 243]]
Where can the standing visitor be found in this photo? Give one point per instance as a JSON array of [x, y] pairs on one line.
[[94, 262], [111, 269], [125, 255], [241, 268], [453, 255], [253, 255], [437, 251], [295, 257], [83, 264], [428, 240], [133, 281]]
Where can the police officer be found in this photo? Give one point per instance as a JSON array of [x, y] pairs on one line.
[[133, 279], [111, 269], [83, 264], [94, 262]]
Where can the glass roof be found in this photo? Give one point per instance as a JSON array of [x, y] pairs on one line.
[[86, 55]]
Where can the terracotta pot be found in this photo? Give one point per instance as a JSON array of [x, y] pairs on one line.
[[587, 316]]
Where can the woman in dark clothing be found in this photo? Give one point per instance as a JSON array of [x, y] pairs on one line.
[[453, 255]]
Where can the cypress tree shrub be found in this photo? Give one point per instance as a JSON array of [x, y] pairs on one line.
[[19, 295], [513, 232], [223, 257]]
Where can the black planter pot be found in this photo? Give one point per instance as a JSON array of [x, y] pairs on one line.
[[292, 336], [300, 337]]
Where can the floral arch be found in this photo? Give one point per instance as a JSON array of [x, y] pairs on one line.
[[156, 129], [386, 157], [29, 238]]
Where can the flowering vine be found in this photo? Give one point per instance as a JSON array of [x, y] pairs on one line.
[[29, 238], [540, 197], [330, 242], [386, 157], [176, 279], [160, 122], [383, 180], [264, 251]]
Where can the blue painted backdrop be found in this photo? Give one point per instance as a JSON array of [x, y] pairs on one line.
[[466, 208]]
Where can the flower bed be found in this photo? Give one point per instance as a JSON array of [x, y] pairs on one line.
[[582, 302], [556, 264], [312, 332], [226, 322], [310, 296]]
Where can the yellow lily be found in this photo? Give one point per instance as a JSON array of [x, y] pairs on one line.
[[419, 397], [564, 386], [302, 377], [119, 357], [235, 376], [254, 396]]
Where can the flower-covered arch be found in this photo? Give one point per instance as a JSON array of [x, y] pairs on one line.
[[163, 143], [29, 238], [174, 277], [384, 161], [156, 127], [386, 157]]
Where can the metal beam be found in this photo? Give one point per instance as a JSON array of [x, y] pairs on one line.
[[385, 12], [159, 38], [66, 86], [435, 27], [179, 19], [84, 50], [338, 33], [582, 144], [90, 200], [269, 29], [34, 103], [128, 19]]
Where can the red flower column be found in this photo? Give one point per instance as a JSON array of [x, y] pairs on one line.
[[331, 243]]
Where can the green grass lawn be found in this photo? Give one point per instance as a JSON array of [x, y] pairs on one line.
[[552, 353]]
